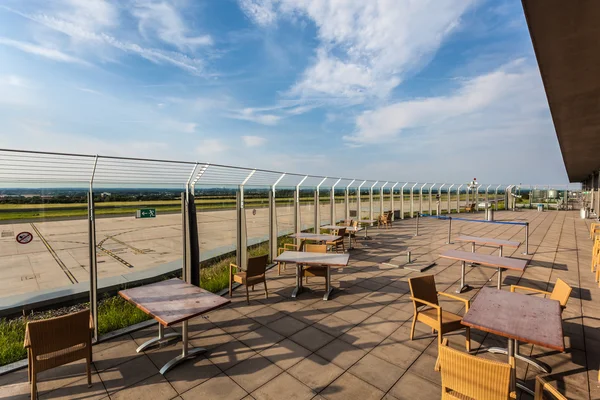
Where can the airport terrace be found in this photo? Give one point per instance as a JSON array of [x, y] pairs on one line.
[[136, 278]]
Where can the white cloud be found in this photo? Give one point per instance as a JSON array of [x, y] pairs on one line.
[[254, 141], [255, 115], [90, 35], [12, 80], [42, 51], [512, 92], [208, 149], [366, 47], [260, 11], [163, 20]]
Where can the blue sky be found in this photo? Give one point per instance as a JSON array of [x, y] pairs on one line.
[[442, 90]]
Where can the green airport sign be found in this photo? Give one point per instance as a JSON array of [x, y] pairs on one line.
[[146, 213]]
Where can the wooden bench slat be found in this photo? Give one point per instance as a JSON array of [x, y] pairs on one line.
[[489, 241], [485, 259]]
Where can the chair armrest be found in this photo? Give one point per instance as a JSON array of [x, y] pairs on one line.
[[513, 287], [232, 266], [26, 342], [426, 303], [541, 384], [466, 301]]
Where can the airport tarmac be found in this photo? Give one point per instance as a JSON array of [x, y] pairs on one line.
[[58, 254]]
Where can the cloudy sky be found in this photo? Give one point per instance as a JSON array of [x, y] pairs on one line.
[[439, 90]]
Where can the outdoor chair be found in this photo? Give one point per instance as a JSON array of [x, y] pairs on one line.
[[339, 243], [542, 385], [314, 270], [470, 207], [561, 291], [390, 217], [286, 246], [465, 376], [428, 311], [57, 341], [383, 220], [254, 274]]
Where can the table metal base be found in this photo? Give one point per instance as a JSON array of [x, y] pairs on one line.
[[542, 366], [514, 382], [185, 355], [463, 286], [154, 341], [299, 288]]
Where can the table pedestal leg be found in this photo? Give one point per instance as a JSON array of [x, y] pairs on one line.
[[499, 278], [328, 288], [156, 340], [463, 286], [186, 353], [298, 288]]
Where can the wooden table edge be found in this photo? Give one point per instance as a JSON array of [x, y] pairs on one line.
[[503, 334], [177, 321], [490, 266]]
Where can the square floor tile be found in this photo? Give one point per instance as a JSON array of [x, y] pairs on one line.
[[253, 372], [349, 387], [286, 353], [413, 387], [315, 372], [261, 338], [312, 338], [341, 353], [379, 373], [283, 386], [154, 388], [286, 326], [220, 387]]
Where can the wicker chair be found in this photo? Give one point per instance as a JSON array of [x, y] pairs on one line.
[[339, 243], [383, 221], [254, 274], [428, 311], [561, 291], [314, 270], [286, 246], [57, 341], [469, 377]]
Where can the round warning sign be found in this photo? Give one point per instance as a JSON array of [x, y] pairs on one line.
[[24, 237]]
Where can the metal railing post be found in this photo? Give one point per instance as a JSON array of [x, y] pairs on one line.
[[526, 239], [93, 268], [347, 200], [371, 200], [417, 225], [392, 201], [450, 195], [439, 202], [332, 211], [458, 199], [449, 230], [358, 205], [297, 216], [402, 201], [421, 198], [381, 198], [430, 198], [496, 197], [412, 197], [318, 206]]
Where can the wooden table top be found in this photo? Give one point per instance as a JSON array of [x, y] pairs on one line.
[[348, 228], [309, 258], [489, 241], [315, 236], [488, 260], [173, 301], [517, 316]]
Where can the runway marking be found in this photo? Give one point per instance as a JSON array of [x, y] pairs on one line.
[[61, 264], [116, 257]]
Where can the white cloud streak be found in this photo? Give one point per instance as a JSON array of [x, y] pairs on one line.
[[42, 51], [161, 19], [509, 93]]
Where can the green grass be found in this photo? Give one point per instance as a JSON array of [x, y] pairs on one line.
[[116, 313], [12, 334]]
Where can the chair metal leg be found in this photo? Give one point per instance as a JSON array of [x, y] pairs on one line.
[[468, 340], [89, 372], [266, 291], [33, 384]]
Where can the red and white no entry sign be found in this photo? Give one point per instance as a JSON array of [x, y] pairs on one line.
[[24, 237]]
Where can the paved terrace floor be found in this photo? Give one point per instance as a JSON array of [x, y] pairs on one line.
[[357, 345]]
